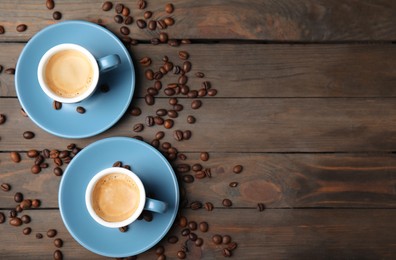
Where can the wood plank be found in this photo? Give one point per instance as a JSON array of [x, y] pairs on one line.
[[277, 180], [283, 20], [263, 70], [272, 125], [272, 234]]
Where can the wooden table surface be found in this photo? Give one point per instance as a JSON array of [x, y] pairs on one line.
[[306, 103]]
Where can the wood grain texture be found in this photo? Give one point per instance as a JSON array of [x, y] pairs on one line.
[[277, 180], [271, 234], [272, 125], [256, 70], [301, 20]]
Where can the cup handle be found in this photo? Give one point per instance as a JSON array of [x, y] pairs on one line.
[[108, 62], [155, 205]]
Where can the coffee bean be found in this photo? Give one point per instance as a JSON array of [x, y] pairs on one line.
[[80, 110], [158, 75], [192, 225], [202, 92], [158, 120], [227, 203], [155, 143], [145, 61], [21, 27], [107, 6], [12, 213], [128, 20], [39, 159], [161, 112], [36, 203], [191, 119], [125, 11], [212, 92], [159, 250], [188, 178], [187, 66], [173, 43], [169, 21], [35, 169], [227, 252], [117, 164], [2, 218], [26, 219], [138, 127], [46, 153], [182, 80], [159, 135], [118, 8], [58, 242], [149, 121], [260, 206], [169, 8], [152, 25], [128, 167], [2, 30], [147, 14], [209, 206], [181, 254], [141, 23], [200, 175], [217, 239], [18, 197], [183, 221], [186, 134], [178, 135], [28, 135], [203, 226], [195, 104], [168, 123], [237, 169], [193, 237], [192, 94], [58, 255], [124, 30], [199, 242], [15, 157], [196, 167], [135, 111], [57, 15], [196, 205], [26, 204], [226, 239], [5, 187], [56, 105], [152, 91], [141, 4], [118, 18], [10, 71], [232, 246], [172, 113], [185, 232], [27, 231], [58, 161], [161, 24], [183, 55], [233, 184], [204, 156], [3, 119], [123, 229], [16, 222], [149, 74], [163, 37], [178, 107]]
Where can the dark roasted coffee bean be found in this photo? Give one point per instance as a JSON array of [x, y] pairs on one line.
[[18, 197], [2, 30], [182, 80], [208, 172], [64, 154], [149, 99], [26, 219], [5, 187], [227, 203], [58, 242], [163, 37], [44, 165], [178, 135], [173, 101], [176, 69], [16, 222], [12, 213], [123, 229], [196, 167], [125, 11], [205, 85], [39, 235], [58, 161], [158, 75], [2, 218], [159, 135], [149, 121], [183, 221], [183, 55], [209, 206], [80, 110], [158, 120], [163, 70], [128, 167], [141, 4], [36, 203], [51, 233], [124, 30], [202, 92], [199, 242], [149, 74], [217, 239], [39, 159], [237, 169], [172, 113], [147, 14], [35, 169], [28, 135], [212, 92], [172, 150], [135, 111], [138, 127], [117, 164], [168, 123], [203, 226], [183, 168], [169, 91], [147, 216], [188, 178], [192, 94], [173, 43], [196, 205], [118, 8], [3, 118], [161, 24], [155, 143], [204, 156], [145, 61], [200, 175], [232, 246], [227, 252], [27, 231], [161, 112], [152, 25], [233, 184], [10, 71], [106, 6], [141, 23], [56, 105], [186, 66], [157, 85], [128, 20], [46, 153], [169, 8], [191, 119], [168, 66], [21, 27], [159, 250], [195, 104], [185, 232], [155, 41], [260, 206], [54, 154], [58, 255], [181, 254], [169, 21], [172, 85], [18, 208], [15, 157], [193, 237], [199, 74], [192, 225], [118, 18], [187, 135], [226, 239], [57, 15]]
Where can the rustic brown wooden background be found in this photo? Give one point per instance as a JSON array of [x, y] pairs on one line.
[[306, 103]]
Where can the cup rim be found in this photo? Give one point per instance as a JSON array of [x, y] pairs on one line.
[[91, 185], [44, 60]]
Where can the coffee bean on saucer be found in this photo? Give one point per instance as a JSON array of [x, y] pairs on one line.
[[56, 105], [107, 6], [2, 30], [80, 110], [117, 164], [147, 216], [123, 229], [58, 255], [124, 30], [169, 8], [57, 15], [21, 27], [141, 4], [118, 8], [58, 242]]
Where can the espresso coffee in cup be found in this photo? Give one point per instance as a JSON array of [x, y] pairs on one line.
[[69, 73], [115, 197]]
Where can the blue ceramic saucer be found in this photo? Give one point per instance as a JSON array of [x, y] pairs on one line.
[[102, 109], [157, 176]]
